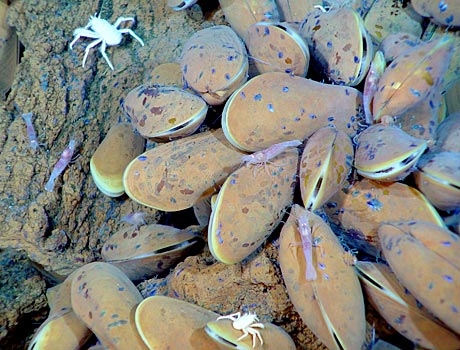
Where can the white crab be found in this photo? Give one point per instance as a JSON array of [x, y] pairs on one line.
[[103, 32], [246, 324]]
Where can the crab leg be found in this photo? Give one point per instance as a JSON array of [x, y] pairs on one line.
[[81, 32], [129, 31], [102, 49], [120, 20], [90, 46]]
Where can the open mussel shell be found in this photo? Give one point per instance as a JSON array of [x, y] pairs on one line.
[[386, 153], [411, 77], [438, 178], [224, 334], [170, 324], [164, 112], [401, 310], [331, 305], [250, 205], [104, 298], [145, 251], [359, 210], [275, 107], [324, 166], [175, 175], [214, 63], [63, 329], [277, 47], [425, 259], [339, 44], [120, 146]]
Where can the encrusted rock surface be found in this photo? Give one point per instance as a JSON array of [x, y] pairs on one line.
[[22, 299]]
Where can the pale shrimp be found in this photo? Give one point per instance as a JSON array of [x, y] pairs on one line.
[[62, 163], [30, 130], [264, 156], [307, 246], [371, 84]]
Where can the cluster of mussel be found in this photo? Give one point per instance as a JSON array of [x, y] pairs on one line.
[[378, 176]]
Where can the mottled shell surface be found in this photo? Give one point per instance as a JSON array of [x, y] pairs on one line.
[[250, 205], [339, 44], [145, 251], [452, 74], [386, 153], [170, 324], [448, 134], [164, 112], [277, 47], [332, 305], [62, 329], [202, 211], [242, 14], [119, 147], [452, 97], [411, 76], [168, 74], [395, 44], [401, 310], [295, 10], [105, 299], [392, 17], [359, 210], [425, 259], [421, 120], [324, 166], [438, 178], [276, 107], [224, 334], [444, 13], [214, 63], [175, 175]]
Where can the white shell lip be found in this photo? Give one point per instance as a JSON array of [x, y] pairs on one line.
[[188, 127], [399, 168], [368, 54], [225, 128]]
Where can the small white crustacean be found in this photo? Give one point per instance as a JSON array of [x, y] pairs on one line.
[[104, 33], [263, 157], [246, 323]]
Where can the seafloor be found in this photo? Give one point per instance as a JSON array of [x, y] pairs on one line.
[[66, 228]]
